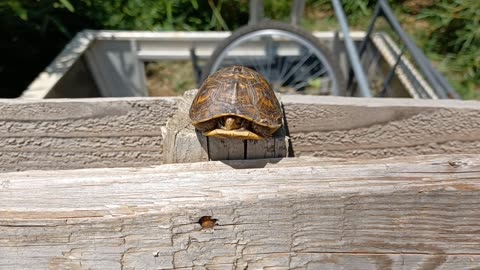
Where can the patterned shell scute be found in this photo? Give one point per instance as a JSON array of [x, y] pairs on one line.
[[237, 90]]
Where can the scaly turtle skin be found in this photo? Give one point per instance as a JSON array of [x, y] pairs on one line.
[[236, 102]]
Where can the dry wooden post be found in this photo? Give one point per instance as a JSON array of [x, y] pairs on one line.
[[417, 212], [182, 143], [185, 144]]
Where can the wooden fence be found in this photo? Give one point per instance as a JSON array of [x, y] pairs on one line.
[[374, 184]]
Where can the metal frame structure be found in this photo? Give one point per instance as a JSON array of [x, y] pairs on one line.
[[436, 85], [352, 50], [110, 63], [298, 6], [436, 81]]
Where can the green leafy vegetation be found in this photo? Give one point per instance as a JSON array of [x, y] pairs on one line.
[[447, 30], [453, 40]]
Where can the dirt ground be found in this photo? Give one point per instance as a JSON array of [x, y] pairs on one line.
[[169, 78]]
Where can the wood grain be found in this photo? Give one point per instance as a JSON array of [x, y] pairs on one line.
[[295, 213], [182, 143], [83, 133], [378, 128], [122, 132]]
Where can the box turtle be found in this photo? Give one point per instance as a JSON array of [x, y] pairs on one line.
[[236, 102]]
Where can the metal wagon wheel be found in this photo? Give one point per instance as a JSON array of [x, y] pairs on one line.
[[291, 59]]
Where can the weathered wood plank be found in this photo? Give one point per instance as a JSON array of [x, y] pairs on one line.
[[66, 134], [298, 213], [114, 132], [181, 141], [378, 128]]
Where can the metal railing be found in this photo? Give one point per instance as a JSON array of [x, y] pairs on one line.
[[436, 81]]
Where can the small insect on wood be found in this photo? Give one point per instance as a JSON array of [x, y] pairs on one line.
[[236, 115]]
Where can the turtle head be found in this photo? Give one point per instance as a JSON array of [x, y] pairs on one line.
[[233, 123]]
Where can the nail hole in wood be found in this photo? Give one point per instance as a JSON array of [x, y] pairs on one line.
[[456, 163], [207, 222]]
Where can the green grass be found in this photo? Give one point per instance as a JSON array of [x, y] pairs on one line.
[[447, 30]]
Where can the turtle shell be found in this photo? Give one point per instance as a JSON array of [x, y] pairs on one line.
[[237, 91]]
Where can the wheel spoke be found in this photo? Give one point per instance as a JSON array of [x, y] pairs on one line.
[[285, 57], [305, 82], [284, 67], [306, 72], [294, 69]]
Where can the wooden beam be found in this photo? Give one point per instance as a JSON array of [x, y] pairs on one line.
[[303, 213], [182, 143], [126, 132], [82, 133], [379, 128]]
